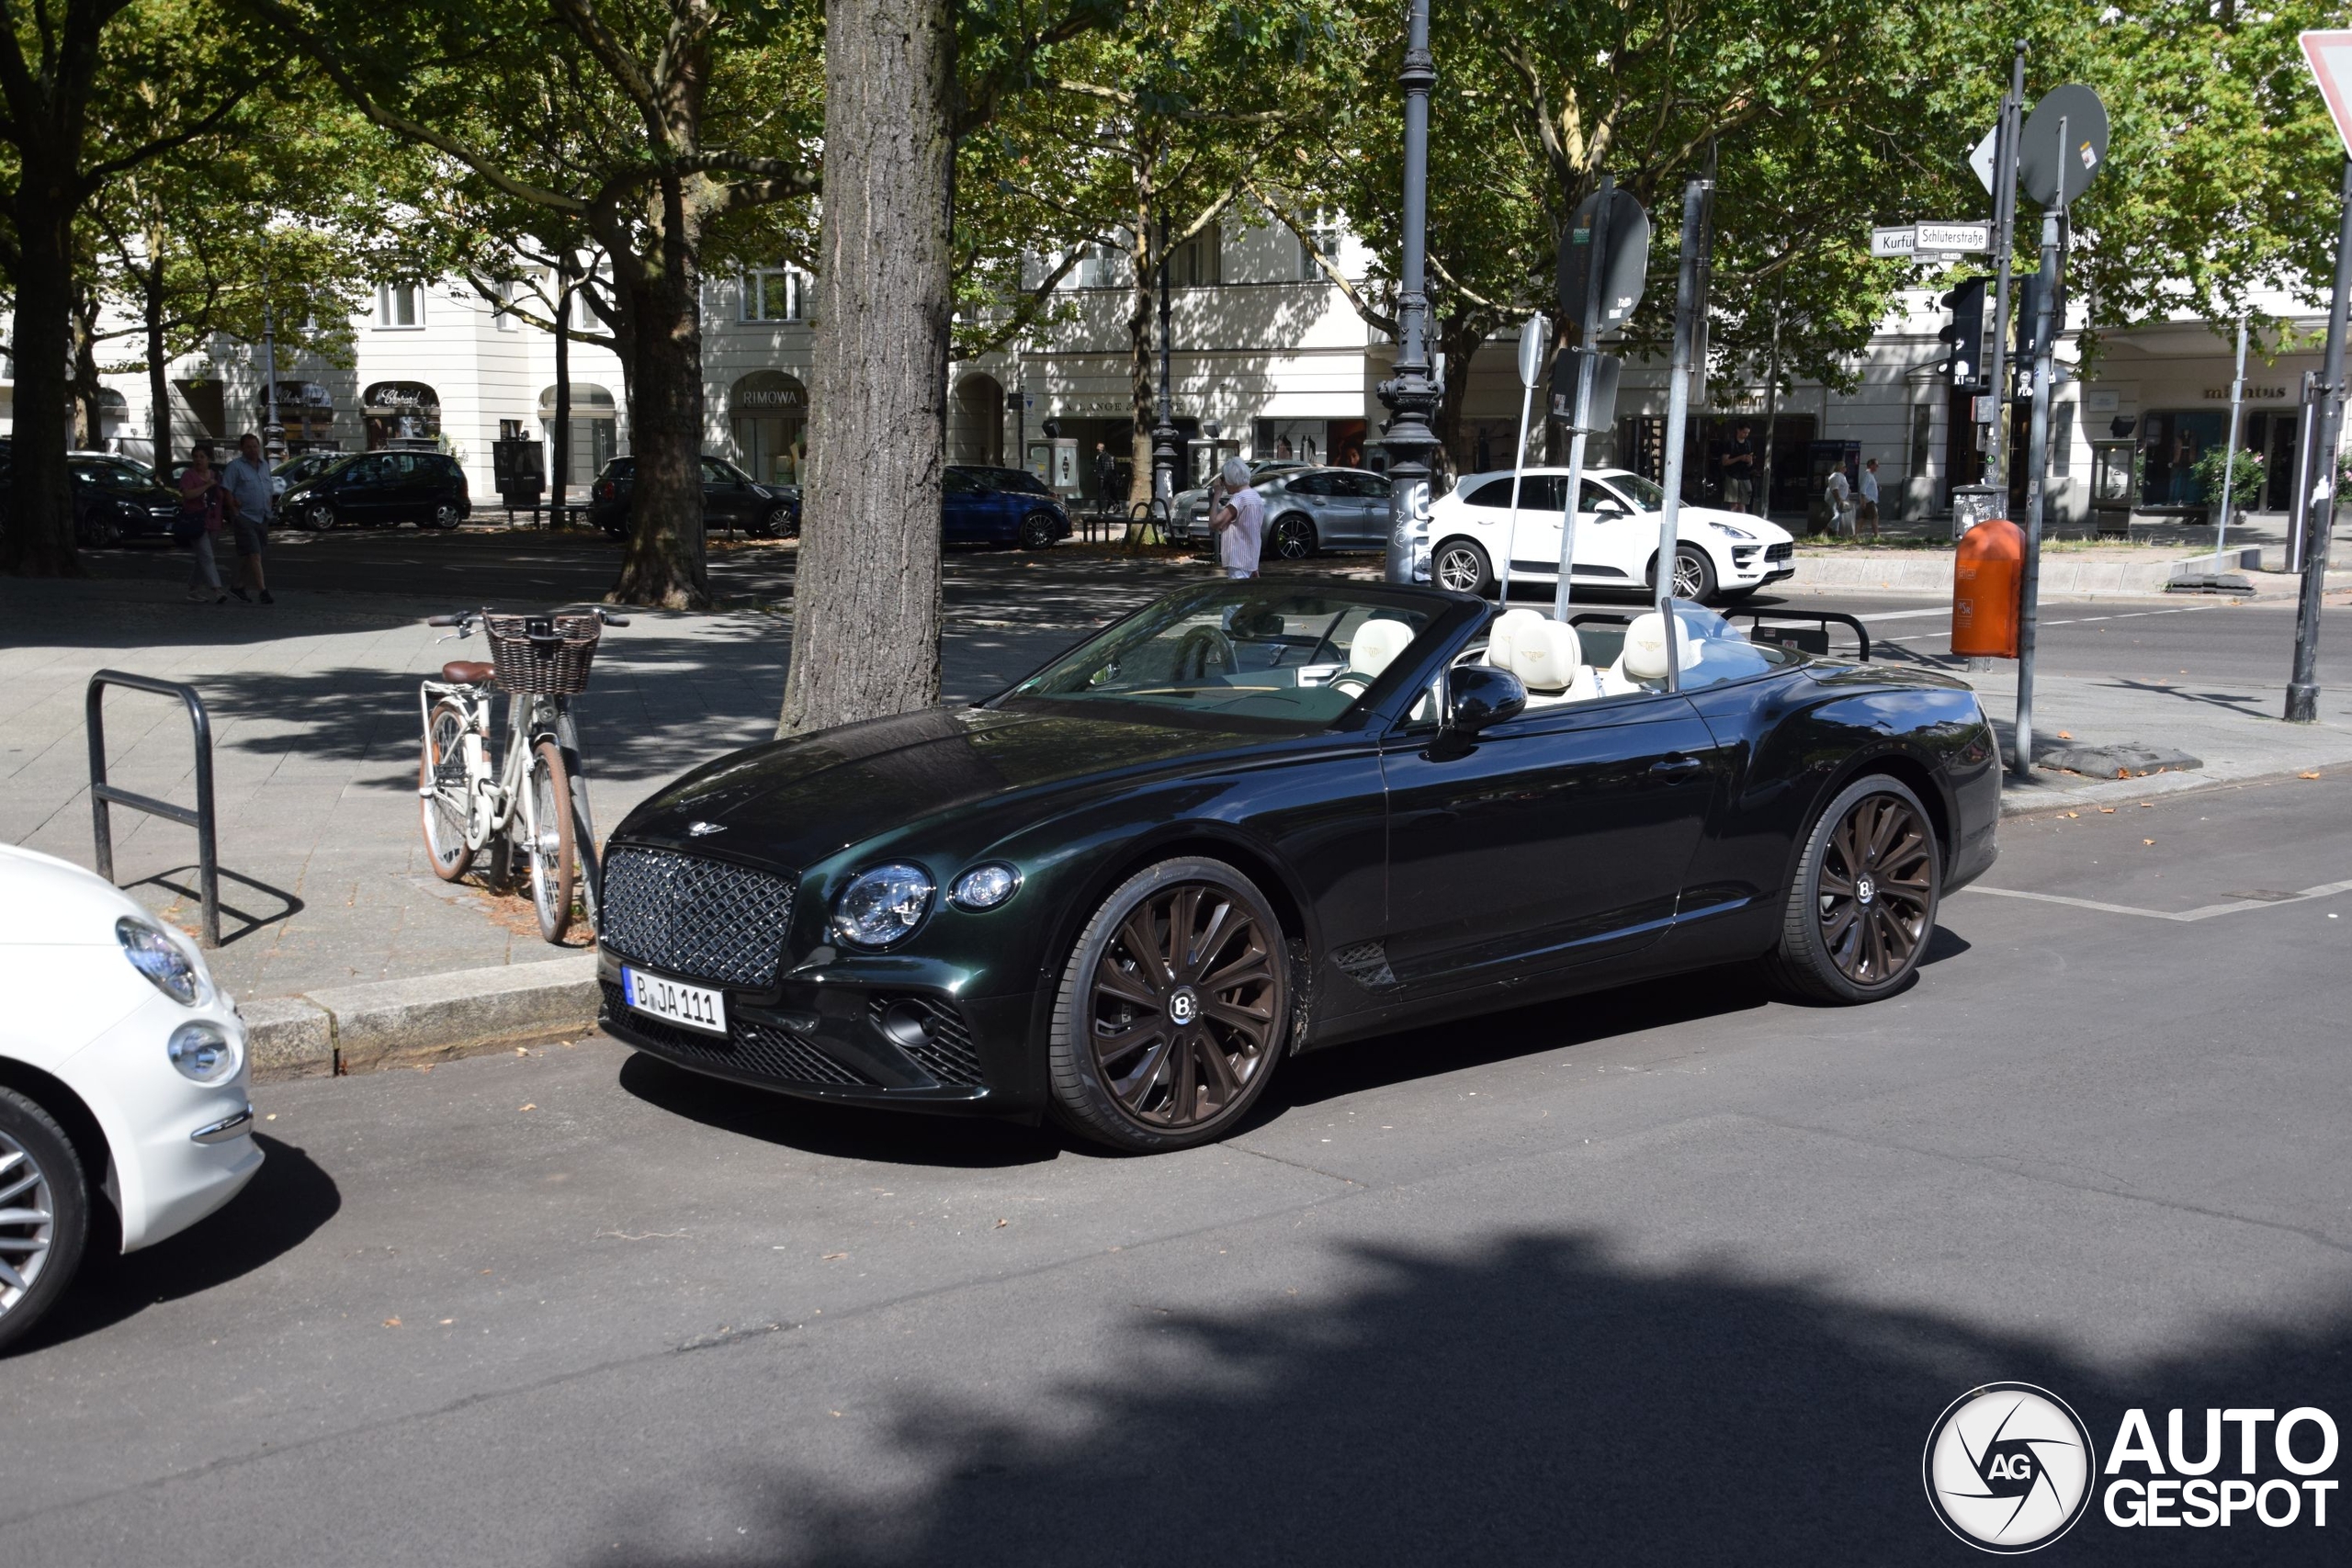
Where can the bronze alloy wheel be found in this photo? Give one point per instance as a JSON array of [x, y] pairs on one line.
[[1174, 1009], [1864, 904]]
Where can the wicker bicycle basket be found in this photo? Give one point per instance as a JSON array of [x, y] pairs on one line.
[[544, 655]]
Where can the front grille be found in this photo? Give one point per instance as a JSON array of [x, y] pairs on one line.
[[701, 919], [946, 1052], [1782, 551], [760, 1049]]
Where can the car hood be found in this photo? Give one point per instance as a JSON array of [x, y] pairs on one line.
[[47, 902], [793, 803]]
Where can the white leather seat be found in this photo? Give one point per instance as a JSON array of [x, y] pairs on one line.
[[1547, 656], [1641, 666], [1376, 644]]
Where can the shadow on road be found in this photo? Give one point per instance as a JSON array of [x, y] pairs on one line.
[[1533, 1399], [288, 1200]]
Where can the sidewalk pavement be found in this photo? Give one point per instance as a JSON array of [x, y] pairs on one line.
[[347, 950]]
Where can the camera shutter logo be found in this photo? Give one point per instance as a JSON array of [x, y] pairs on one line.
[[2009, 1467]]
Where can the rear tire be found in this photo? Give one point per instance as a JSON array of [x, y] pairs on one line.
[[1463, 566], [1173, 1012], [41, 1179], [1863, 903], [553, 869], [446, 812]]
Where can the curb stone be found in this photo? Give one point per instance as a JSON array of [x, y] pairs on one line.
[[347, 1029]]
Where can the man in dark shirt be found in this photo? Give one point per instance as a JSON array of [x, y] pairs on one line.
[[1106, 472], [1739, 468]]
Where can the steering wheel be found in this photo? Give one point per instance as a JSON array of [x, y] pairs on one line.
[[1204, 651], [1355, 682]]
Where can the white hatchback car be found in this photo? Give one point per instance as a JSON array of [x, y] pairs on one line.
[[122, 1073], [1720, 556]]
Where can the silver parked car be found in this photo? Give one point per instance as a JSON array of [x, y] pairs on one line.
[[1307, 510]]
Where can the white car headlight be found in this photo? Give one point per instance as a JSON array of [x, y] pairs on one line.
[[1727, 528], [165, 963], [881, 905], [984, 887], [202, 1052]]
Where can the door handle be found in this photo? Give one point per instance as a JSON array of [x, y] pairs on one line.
[[1676, 767]]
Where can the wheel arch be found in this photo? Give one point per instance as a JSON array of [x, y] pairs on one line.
[[1896, 763], [72, 1113]]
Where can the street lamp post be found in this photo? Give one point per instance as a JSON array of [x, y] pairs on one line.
[[1409, 394], [1164, 433]]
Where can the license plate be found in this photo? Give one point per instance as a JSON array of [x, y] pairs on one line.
[[689, 1007]]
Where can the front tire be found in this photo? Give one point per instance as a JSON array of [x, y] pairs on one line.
[[316, 518], [44, 1214], [1694, 574], [1863, 904], [447, 514], [1038, 531], [1463, 566], [777, 523], [1294, 537], [1174, 1010], [553, 866]]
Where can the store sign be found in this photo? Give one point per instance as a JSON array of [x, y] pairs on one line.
[[2253, 394]]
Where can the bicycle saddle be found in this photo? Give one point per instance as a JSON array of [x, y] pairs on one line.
[[468, 672]]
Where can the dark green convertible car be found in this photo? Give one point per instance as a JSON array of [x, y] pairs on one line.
[[1256, 819]]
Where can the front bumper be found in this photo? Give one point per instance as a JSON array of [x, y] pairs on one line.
[[902, 1036]]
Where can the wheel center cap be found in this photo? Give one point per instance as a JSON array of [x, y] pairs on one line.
[[1865, 889], [1183, 1005]]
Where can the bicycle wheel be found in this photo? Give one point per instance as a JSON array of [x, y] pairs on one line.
[[446, 809], [553, 868]]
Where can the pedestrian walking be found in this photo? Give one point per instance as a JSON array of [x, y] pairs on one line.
[[1869, 513], [1237, 522], [1839, 494], [1106, 474], [199, 525], [251, 499], [1739, 468]]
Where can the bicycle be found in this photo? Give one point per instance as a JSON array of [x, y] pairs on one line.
[[537, 800]]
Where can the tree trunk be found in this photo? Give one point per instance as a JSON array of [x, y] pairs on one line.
[[665, 564], [1771, 419], [1143, 389], [865, 595], [1459, 337], [89, 418], [159, 370], [39, 541], [559, 471]]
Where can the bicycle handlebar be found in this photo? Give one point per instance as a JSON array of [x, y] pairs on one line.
[[465, 619]]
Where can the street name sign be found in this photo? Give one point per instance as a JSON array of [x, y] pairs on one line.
[[1901, 242], [2330, 55], [1954, 239]]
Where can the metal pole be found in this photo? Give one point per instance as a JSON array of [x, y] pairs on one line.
[[1409, 395], [2230, 453], [1695, 201], [2302, 691], [1517, 467], [268, 364], [2045, 318], [1163, 434], [1587, 331], [94, 725], [2005, 219]]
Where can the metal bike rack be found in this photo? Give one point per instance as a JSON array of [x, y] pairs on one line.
[[103, 793]]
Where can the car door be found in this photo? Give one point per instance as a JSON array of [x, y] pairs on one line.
[[1559, 838], [725, 496], [1614, 540], [364, 491], [962, 520], [1369, 530]]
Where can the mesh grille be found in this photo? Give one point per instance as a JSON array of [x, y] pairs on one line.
[[1783, 551], [761, 1049], [946, 1052], [1365, 963], [702, 919]]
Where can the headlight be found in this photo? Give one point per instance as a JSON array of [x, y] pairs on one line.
[[167, 968], [984, 887], [202, 1052], [881, 905], [1727, 528]]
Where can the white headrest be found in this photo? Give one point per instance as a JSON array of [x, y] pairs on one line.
[[1376, 644], [1645, 654], [1545, 654]]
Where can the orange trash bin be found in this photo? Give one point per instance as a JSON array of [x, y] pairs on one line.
[[1987, 578]]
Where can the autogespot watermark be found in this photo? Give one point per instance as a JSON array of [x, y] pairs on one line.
[[2009, 1467]]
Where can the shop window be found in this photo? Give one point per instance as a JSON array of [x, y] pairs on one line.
[[2171, 441], [1199, 261]]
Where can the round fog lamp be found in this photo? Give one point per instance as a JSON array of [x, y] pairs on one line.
[[202, 1052], [984, 887]]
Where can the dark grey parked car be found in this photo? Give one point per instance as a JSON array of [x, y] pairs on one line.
[[1307, 510]]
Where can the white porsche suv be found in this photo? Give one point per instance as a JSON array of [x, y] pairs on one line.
[[1722, 556]]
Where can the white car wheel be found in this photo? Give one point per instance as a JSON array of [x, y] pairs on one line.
[[44, 1214]]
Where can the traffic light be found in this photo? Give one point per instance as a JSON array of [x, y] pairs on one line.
[[1965, 332], [2028, 311]]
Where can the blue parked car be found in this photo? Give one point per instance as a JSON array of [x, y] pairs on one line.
[[1000, 506]]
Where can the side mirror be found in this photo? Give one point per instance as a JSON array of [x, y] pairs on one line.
[[1479, 695]]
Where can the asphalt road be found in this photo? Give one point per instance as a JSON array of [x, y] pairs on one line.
[[1667, 1275]]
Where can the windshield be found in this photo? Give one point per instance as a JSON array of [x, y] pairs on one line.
[[1243, 650]]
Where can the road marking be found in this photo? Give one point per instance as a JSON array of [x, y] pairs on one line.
[[1907, 614], [2326, 890]]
